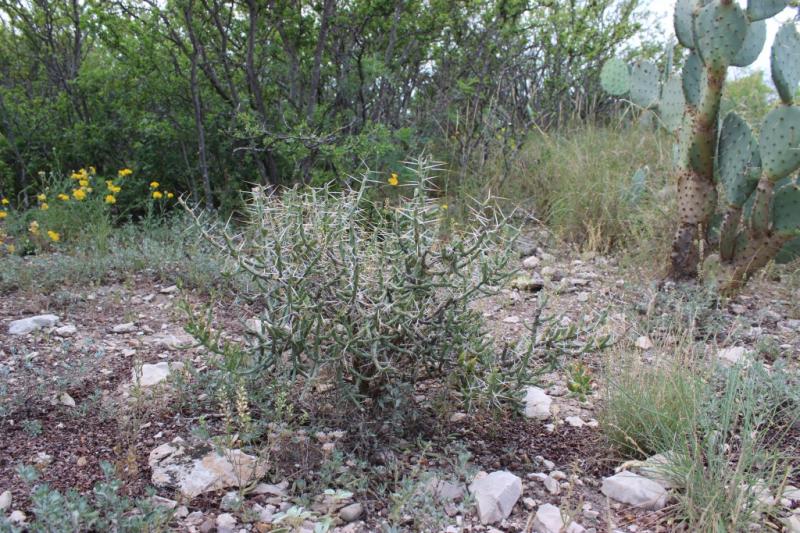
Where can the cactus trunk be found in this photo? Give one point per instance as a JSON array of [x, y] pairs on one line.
[[697, 194]]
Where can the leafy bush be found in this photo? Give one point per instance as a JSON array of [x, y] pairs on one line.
[[369, 297], [82, 208]]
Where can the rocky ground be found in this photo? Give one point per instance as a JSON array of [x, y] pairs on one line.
[[101, 376]]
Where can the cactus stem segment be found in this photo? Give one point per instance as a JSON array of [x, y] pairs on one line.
[[762, 208], [728, 233]]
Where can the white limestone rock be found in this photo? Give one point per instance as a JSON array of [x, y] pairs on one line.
[[548, 519], [627, 487], [537, 403], [152, 374], [24, 326], [495, 495]]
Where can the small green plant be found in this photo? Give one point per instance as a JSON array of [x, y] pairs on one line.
[[32, 427], [759, 216], [580, 381], [105, 509]]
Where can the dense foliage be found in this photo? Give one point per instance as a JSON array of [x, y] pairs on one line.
[[208, 95]]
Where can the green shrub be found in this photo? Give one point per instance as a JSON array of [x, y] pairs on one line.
[[367, 297]]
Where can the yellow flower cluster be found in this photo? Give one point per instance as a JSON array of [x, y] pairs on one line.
[[158, 195], [393, 180]]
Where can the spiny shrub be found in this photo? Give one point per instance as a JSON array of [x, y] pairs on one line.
[[368, 297], [759, 215]]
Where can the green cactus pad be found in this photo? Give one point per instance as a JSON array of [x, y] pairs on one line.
[[789, 252], [753, 44], [764, 9], [786, 210], [683, 22], [672, 104], [739, 161], [786, 62], [719, 32], [780, 142], [615, 77], [694, 79], [644, 84]]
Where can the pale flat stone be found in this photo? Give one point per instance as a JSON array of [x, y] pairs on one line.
[[732, 356], [5, 501], [152, 374], [627, 487], [24, 326], [351, 513], [128, 327], [644, 343], [199, 470], [66, 399], [226, 523], [575, 421], [495, 495], [537, 403], [531, 262], [792, 524], [548, 519], [66, 331]]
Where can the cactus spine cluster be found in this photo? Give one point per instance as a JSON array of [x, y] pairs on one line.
[[761, 208]]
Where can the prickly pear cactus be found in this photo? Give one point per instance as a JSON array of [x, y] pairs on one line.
[[723, 171]]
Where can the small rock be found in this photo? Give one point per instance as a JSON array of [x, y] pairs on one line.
[[575, 421], [531, 262], [791, 492], [66, 399], [163, 502], [738, 309], [444, 490], [17, 517], [5, 501], [24, 326], [42, 460], [207, 526], [627, 487], [513, 319], [195, 471], [495, 495], [128, 327], [351, 513], [552, 485], [548, 519], [81, 462], [273, 490], [575, 527], [150, 375], [226, 523], [731, 356], [644, 343], [169, 290], [458, 417], [792, 524], [66, 331], [527, 283], [537, 403]]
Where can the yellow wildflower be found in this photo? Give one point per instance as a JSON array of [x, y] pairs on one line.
[[34, 228], [444, 206], [170, 195], [4, 201], [154, 184], [54, 236], [111, 199], [92, 171], [114, 188], [41, 197], [83, 183], [393, 181], [79, 194], [63, 197], [89, 189], [3, 214], [157, 195], [43, 206], [124, 172], [11, 248]]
